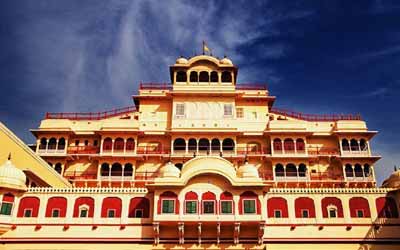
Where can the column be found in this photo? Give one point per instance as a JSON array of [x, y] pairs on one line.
[[295, 146], [272, 146], [70, 209], [42, 208], [318, 209], [112, 148], [57, 145], [98, 202], [37, 145], [291, 209], [263, 207], [346, 209], [125, 209], [236, 205], [172, 147], [186, 147], [101, 145], [124, 145], [372, 207], [340, 146]]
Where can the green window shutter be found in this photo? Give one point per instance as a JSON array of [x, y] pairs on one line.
[[6, 208], [249, 206], [226, 207], [168, 206], [191, 207]]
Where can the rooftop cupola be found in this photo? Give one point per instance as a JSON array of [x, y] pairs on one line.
[[11, 177], [247, 170], [169, 170]]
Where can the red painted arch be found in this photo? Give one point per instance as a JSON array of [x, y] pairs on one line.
[[168, 195], [84, 201], [139, 203], [56, 203], [32, 203], [111, 203], [249, 195], [359, 203], [325, 202], [303, 203], [277, 203]]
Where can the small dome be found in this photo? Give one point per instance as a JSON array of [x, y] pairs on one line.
[[169, 170], [247, 171], [226, 61], [393, 181], [11, 177], [181, 60]]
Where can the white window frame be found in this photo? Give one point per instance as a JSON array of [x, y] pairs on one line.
[[84, 207], [255, 205], [214, 207], [332, 207], [197, 206], [113, 210], [362, 211], [280, 213], [176, 110], [142, 211], [220, 206], [168, 199], [231, 109], [52, 212], [305, 210], [28, 209]]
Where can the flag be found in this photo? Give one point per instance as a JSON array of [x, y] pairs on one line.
[[205, 48]]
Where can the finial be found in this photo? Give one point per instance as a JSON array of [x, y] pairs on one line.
[[224, 55], [395, 168], [245, 159], [9, 156]]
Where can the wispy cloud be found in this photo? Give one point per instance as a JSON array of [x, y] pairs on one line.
[[376, 92]]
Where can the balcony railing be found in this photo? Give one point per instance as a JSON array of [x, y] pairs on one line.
[[251, 86], [155, 86], [327, 151], [83, 150], [315, 117], [51, 151], [152, 150], [91, 115]]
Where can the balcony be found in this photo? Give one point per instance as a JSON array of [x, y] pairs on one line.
[[51, 151], [315, 117], [152, 150], [323, 151], [91, 115], [83, 150]]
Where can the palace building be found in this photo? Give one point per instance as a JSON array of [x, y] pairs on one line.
[[202, 162]]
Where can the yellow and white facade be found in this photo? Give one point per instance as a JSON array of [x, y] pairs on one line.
[[201, 163]]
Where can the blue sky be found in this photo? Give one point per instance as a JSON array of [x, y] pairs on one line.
[[317, 56]]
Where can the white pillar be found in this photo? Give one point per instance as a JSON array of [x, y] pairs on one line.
[[125, 209]]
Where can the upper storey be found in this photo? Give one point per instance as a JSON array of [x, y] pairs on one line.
[[203, 73]]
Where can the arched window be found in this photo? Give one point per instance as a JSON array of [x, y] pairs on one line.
[[105, 169], [302, 170], [249, 203], [43, 143], [228, 145], [168, 203], [358, 171], [226, 76], [279, 170], [288, 145], [204, 145], [130, 145], [203, 77], [139, 207], [191, 206], [215, 145], [214, 76], [28, 207], [181, 76], [345, 145], [194, 76], [58, 168], [128, 169], [208, 203], [84, 207], [277, 145], [107, 144], [61, 143], [386, 207], [52, 143], [226, 203], [56, 207], [367, 170], [291, 170], [354, 145], [192, 145], [328, 204], [111, 207], [119, 144], [363, 145], [179, 145], [359, 207], [116, 169], [304, 207], [300, 146], [349, 170], [277, 207]]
